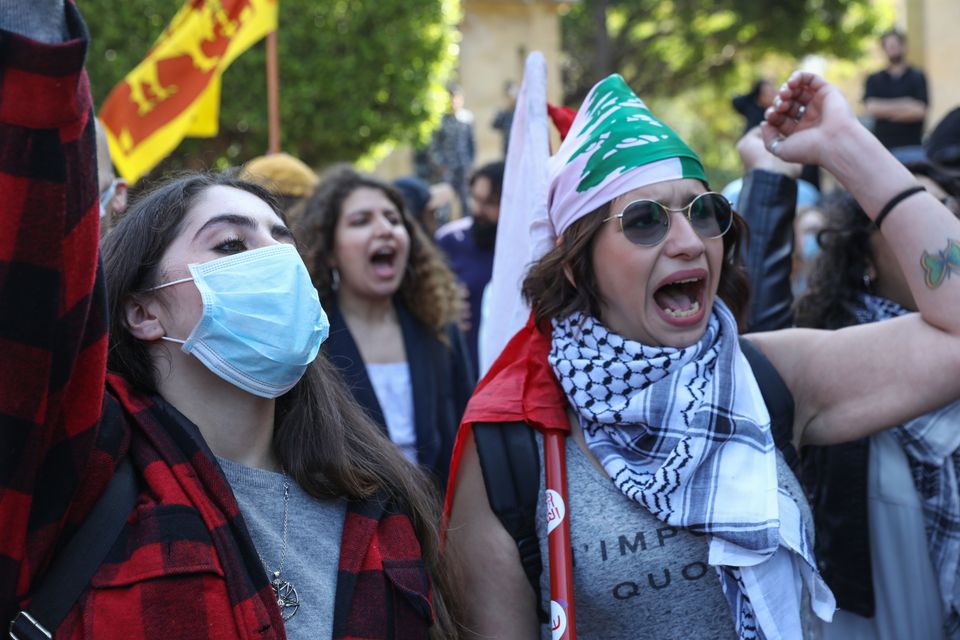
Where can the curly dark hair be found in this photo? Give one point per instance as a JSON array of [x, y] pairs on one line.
[[428, 288], [838, 278], [551, 295]]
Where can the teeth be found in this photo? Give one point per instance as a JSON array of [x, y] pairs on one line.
[[685, 281], [686, 313]]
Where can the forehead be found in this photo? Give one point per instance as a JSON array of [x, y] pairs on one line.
[[673, 192], [364, 198], [891, 40], [481, 184], [219, 200]]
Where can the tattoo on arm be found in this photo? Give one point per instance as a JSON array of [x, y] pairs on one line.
[[939, 266]]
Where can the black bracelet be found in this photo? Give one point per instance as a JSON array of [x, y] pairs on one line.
[[894, 201]]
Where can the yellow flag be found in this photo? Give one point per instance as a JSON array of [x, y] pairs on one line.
[[175, 91]]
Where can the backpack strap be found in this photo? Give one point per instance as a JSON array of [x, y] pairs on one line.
[[511, 475], [778, 399], [75, 564]]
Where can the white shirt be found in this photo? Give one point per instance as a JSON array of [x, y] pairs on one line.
[[394, 389]]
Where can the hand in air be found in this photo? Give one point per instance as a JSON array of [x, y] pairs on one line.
[[754, 154], [808, 118]]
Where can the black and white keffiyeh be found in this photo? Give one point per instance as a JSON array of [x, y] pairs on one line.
[[685, 433], [932, 445]]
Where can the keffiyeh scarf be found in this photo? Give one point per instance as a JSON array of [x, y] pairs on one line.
[[685, 433], [932, 445]]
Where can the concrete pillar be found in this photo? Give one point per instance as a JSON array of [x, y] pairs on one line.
[[497, 36], [937, 22]]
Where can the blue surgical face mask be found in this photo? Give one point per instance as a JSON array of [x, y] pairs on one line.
[[262, 322], [107, 196], [809, 248]]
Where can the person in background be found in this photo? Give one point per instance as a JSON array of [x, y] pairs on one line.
[[871, 525], [503, 119], [896, 97], [468, 243], [289, 179], [887, 507], [752, 105], [942, 146], [416, 200], [452, 149], [429, 205], [394, 310], [769, 197], [809, 222], [264, 503], [113, 190]]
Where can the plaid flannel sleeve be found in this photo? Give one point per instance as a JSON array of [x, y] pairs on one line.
[[52, 303]]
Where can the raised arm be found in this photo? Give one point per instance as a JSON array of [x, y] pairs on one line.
[[859, 380], [52, 332], [768, 202]]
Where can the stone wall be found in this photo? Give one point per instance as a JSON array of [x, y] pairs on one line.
[[932, 29], [496, 37]]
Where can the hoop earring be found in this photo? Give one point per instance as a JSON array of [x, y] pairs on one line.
[[334, 279]]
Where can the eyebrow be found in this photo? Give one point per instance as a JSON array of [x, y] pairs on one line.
[[371, 210], [277, 230]]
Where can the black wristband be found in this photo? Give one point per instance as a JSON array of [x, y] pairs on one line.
[[894, 201]]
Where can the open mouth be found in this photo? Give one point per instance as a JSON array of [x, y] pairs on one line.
[[681, 298], [384, 261]]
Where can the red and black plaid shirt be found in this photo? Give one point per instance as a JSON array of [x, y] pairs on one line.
[[184, 565]]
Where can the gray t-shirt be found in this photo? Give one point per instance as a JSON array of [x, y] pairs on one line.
[[635, 576], [314, 529]]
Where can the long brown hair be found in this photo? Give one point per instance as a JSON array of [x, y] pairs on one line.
[[428, 288], [321, 437], [551, 295]]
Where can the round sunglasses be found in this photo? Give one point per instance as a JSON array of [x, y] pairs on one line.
[[646, 222]]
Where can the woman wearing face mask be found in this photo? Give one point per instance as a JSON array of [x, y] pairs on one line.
[[887, 507], [267, 505], [632, 350], [393, 308]]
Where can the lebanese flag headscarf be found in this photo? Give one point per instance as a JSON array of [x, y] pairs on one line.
[[614, 145]]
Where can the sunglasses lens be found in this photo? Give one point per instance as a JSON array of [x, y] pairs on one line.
[[644, 222], [711, 215]]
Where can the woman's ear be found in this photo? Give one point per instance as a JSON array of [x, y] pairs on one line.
[[142, 320]]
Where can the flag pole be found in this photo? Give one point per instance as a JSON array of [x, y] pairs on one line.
[[273, 94]]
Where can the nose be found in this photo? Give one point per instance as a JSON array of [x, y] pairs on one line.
[[383, 225], [682, 241]]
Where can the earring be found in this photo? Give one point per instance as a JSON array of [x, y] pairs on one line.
[[867, 281], [334, 279]]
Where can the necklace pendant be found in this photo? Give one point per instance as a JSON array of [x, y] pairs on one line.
[[286, 595]]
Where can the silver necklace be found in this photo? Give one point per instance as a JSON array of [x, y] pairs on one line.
[[283, 590]]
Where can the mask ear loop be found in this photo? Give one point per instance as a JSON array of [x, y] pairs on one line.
[[170, 284]]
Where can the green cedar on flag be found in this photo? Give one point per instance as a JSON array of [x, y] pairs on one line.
[[615, 145]]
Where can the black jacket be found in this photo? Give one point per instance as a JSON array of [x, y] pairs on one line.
[[768, 202], [441, 375]]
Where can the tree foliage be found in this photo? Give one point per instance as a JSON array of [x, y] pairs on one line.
[[354, 75], [668, 46], [688, 58]]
